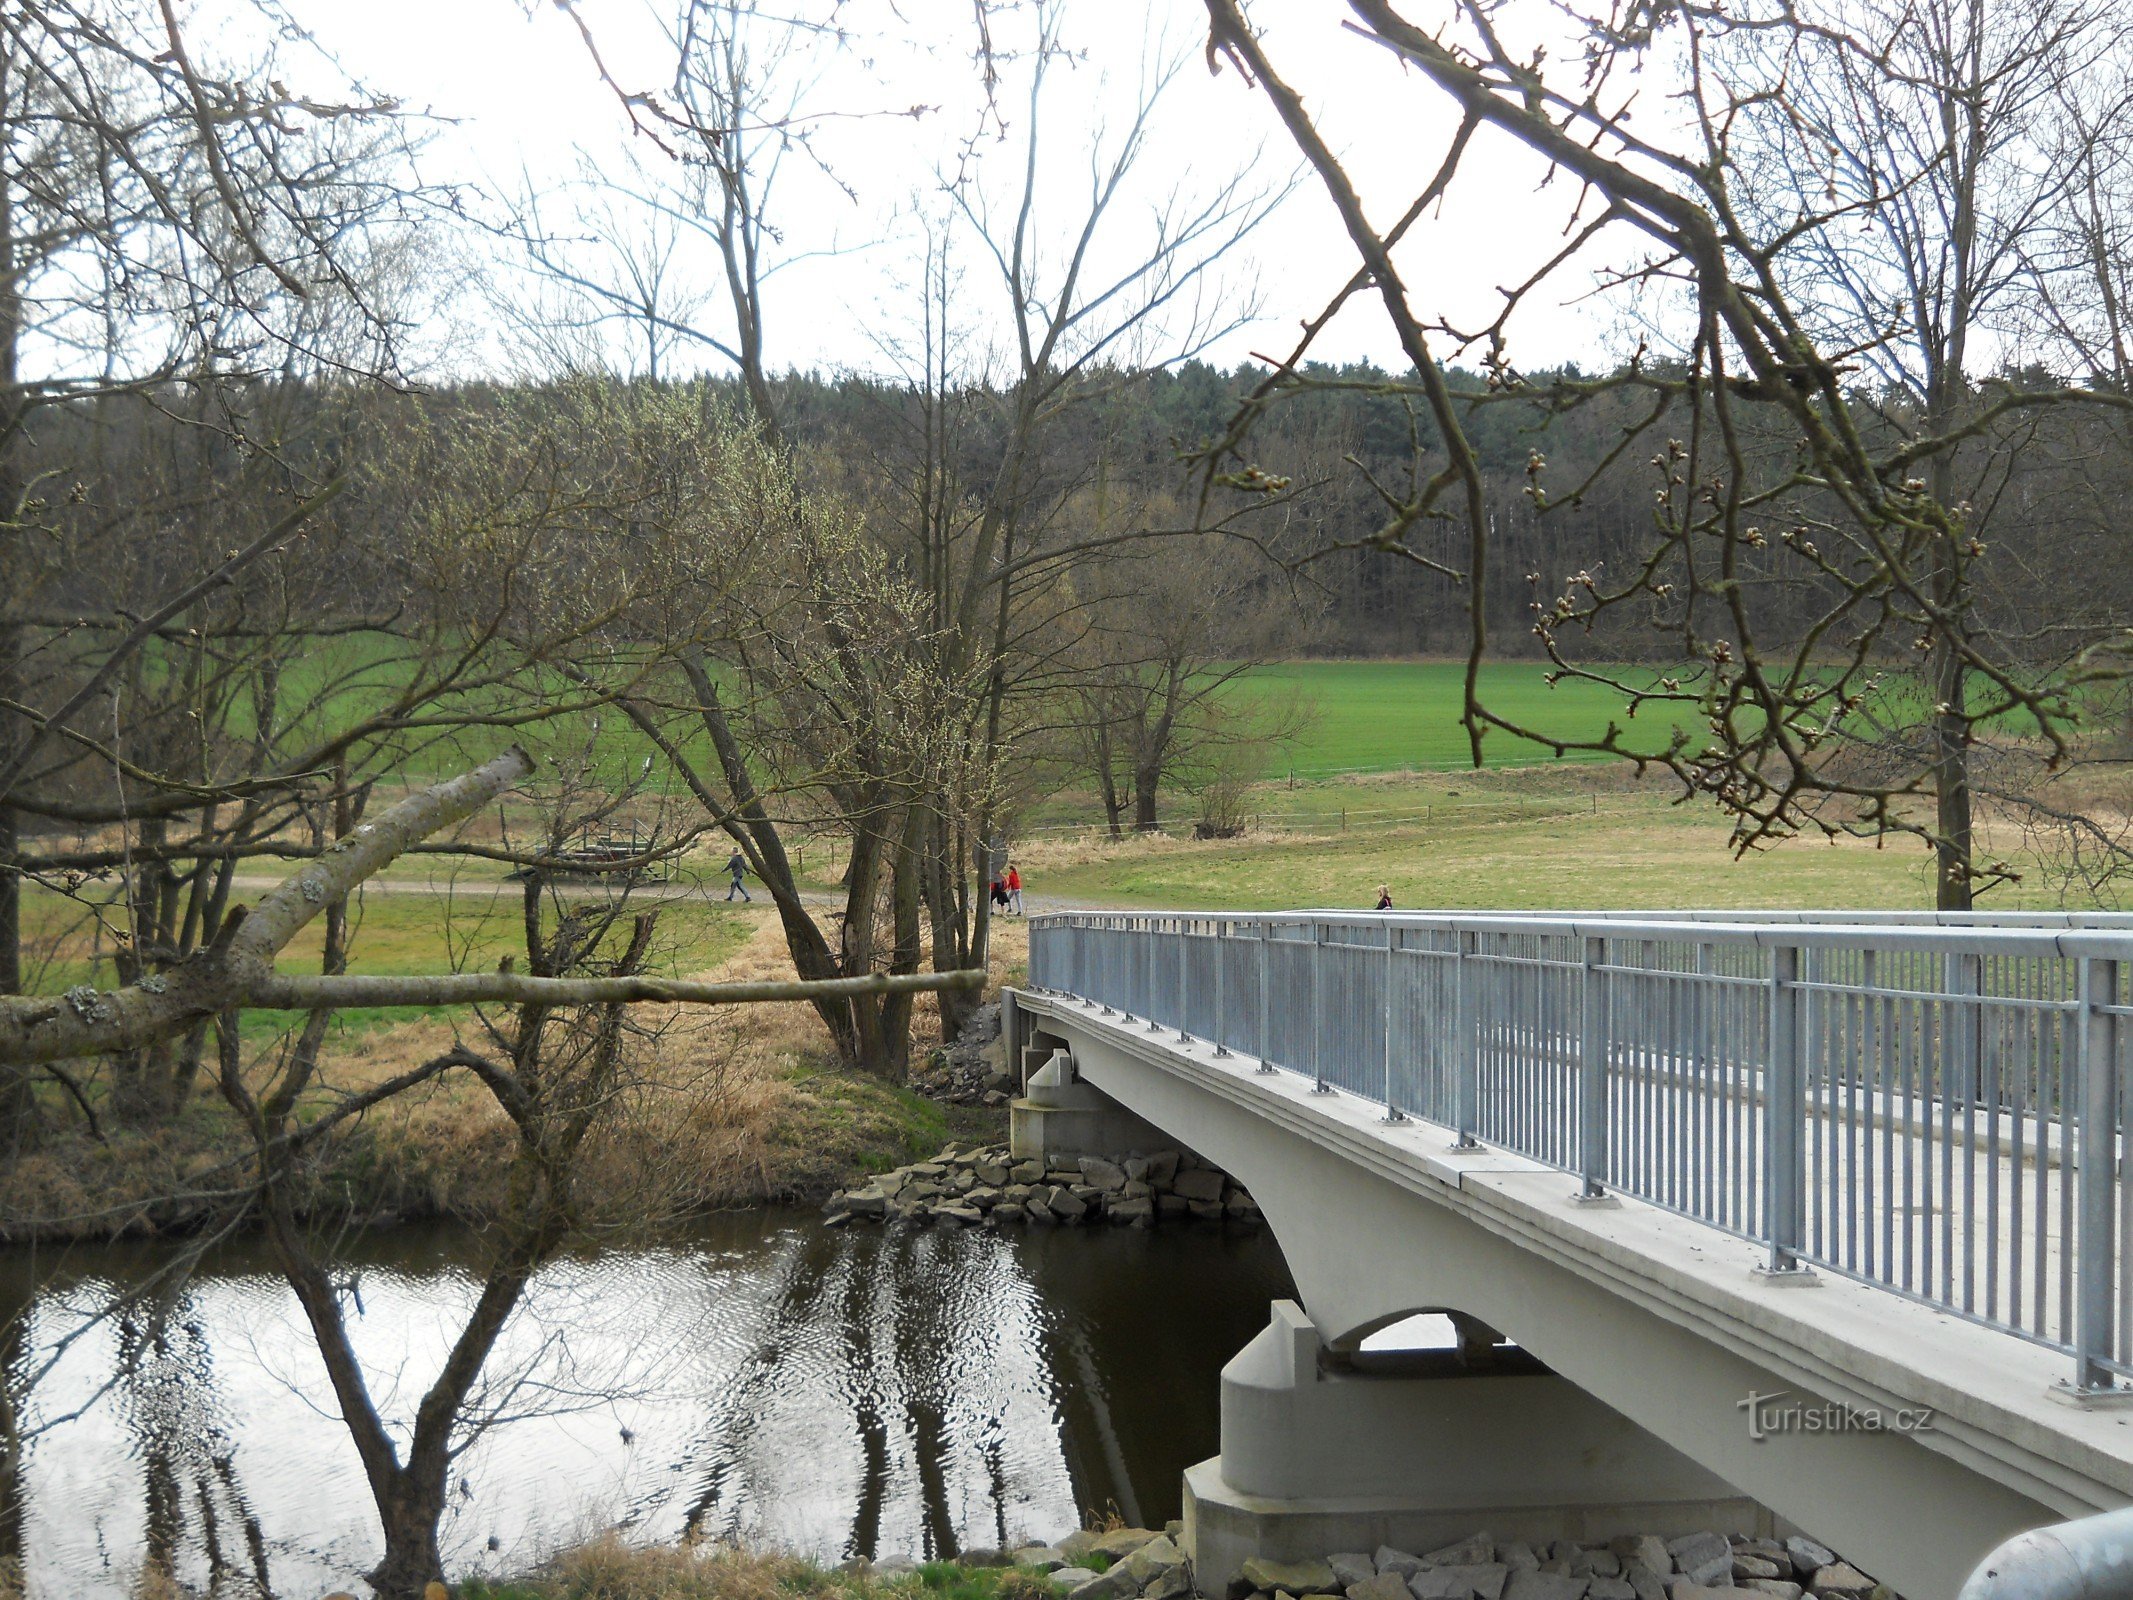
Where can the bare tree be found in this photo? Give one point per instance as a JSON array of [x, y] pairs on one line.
[[1802, 558], [1087, 299], [1164, 687], [165, 225]]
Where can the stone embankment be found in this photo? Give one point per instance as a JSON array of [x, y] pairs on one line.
[[1127, 1562], [987, 1186]]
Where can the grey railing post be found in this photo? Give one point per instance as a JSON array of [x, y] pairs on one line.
[[1784, 1118], [1960, 975], [1593, 1044], [1466, 1044], [2096, 1060], [1154, 942], [1184, 978], [1393, 1112], [1266, 1038], [1221, 986], [1318, 1010]]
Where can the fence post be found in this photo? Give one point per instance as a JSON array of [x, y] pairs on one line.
[[1155, 940], [1184, 977], [1393, 1113], [1318, 1010], [2096, 1059], [1466, 1045], [1222, 944], [1960, 975], [1784, 1119], [1593, 1047], [1266, 1038]]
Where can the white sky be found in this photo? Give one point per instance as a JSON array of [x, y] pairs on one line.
[[524, 104]]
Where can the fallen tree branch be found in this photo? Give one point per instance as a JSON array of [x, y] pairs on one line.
[[236, 972], [240, 962], [307, 992]]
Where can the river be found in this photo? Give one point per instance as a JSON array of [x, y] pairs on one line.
[[839, 1392]]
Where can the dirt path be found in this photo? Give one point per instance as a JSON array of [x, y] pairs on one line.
[[658, 893]]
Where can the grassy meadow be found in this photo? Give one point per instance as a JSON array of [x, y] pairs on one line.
[[1532, 840], [1391, 716]]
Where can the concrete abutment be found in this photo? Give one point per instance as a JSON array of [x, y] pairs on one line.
[[1318, 1457]]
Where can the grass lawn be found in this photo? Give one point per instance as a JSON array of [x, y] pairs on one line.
[[1382, 716], [1544, 839]]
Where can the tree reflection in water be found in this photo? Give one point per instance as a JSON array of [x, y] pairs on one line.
[[844, 1392]]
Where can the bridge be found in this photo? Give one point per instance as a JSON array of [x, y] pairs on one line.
[[1745, 1220]]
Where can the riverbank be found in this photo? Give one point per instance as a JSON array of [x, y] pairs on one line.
[[738, 1106], [610, 1569], [1124, 1563]]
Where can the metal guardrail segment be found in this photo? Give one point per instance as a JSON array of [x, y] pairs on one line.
[[1930, 1103]]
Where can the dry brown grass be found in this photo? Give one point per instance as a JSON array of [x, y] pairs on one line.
[[724, 1107], [611, 1568]]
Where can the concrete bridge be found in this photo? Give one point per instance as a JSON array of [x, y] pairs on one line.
[[1744, 1220]]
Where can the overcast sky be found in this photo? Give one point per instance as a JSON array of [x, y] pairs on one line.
[[521, 106]]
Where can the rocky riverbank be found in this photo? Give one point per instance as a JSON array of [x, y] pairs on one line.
[[988, 1186], [1147, 1564], [1127, 1562]]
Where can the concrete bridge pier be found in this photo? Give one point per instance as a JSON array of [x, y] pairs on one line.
[[1326, 1449], [1415, 1449]]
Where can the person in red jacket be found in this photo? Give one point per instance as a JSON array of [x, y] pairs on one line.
[[1014, 888]]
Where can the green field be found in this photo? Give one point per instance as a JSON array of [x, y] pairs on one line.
[[1391, 716], [1635, 851]]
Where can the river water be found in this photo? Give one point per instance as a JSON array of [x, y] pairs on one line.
[[840, 1392]]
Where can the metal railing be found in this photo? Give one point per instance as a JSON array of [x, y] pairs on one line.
[[1929, 1103]]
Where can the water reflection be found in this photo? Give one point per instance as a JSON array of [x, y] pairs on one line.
[[844, 1392]]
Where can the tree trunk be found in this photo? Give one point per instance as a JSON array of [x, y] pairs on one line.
[[1954, 841], [409, 1513], [18, 1101], [1147, 780], [945, 914]]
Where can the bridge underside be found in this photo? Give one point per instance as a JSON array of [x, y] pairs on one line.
[[1662, 1321]]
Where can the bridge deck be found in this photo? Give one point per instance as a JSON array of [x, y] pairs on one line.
[[1914, 1106], [1995, 1399]]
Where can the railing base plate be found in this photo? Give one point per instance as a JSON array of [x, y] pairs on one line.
[[1790, 1277], [1597, 1202], [2068, 1394]]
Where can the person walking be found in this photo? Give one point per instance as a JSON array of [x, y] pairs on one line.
[[1384, 897], [737, 869], [1014, 889]]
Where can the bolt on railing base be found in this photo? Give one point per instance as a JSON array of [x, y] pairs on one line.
[[2088, 1397], [1267, 1068], [1220, 1051], [1794, 1276], [1393, 1114], [1321, 1087], [1465, 1141], [1600, 1202]]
